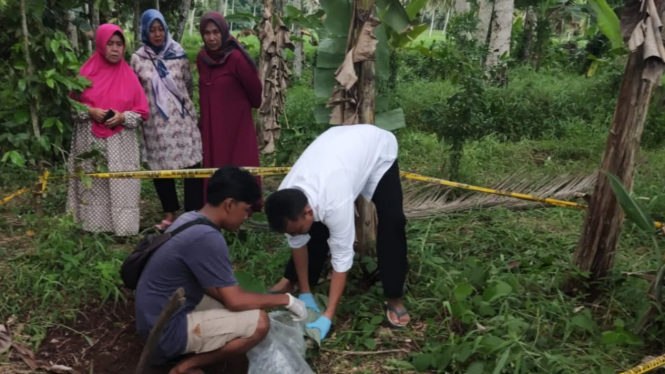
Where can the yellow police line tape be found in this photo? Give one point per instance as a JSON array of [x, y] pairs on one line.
[[266, 171], [20, 192], [653, 364], [42, 182]]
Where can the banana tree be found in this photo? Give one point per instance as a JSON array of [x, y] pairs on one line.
[[644, 69], [398, 26]]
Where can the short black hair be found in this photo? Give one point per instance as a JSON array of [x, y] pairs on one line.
[[232, 182], [283, 206]]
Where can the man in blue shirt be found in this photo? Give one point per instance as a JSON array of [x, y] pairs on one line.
[[218, 319]]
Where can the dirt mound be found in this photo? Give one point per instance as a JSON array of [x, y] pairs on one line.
[[103, 340]]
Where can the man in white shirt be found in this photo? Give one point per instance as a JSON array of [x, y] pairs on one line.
[[314, 206]]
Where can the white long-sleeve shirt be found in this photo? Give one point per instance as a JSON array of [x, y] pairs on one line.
[[341, 164]]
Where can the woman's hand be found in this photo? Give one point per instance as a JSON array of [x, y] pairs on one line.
[[117, 119], [97, 114]]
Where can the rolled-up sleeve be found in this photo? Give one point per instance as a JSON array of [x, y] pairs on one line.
[[298, 241], [340, 223]]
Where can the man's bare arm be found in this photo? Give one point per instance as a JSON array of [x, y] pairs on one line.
[[236, 299], [337, 284], [301, 261]]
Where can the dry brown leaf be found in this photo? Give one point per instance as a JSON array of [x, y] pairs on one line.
[[346, 73], [283, 36], [266, 32], [367, 41], [641, 26], [337, 115], [26, 355], [5, 339], [630, 18]]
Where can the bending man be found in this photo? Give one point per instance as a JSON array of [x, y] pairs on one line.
[[314, 206]]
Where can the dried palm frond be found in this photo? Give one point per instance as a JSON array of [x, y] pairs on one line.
[[426, 201]]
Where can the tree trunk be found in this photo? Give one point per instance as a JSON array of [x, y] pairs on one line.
[[220, 6], [157, 4], [191, 19], [34, 119], [94, 15], [137, 23], [183, 14], [604, 219], [273, 37], [268, 10], [486, 7], [226, 7], [254, 8], [445, 22], [298, 52], [233, 11], [366, 220], [500, 34], [529, 31], [88, 39], [431, 25], [94, 21], [72, 31]]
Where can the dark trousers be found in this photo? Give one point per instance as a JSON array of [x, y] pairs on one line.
[[390, 239], [168, 195]]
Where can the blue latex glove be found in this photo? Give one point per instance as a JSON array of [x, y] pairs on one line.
[[308, 298], [323, 324]]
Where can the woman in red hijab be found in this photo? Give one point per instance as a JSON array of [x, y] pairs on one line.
[[229, 87], [116, 105]]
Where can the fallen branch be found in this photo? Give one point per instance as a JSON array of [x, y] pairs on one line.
[[174, 303], [649, 276], [363, 353]]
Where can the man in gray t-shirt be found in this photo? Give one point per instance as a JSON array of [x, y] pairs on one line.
[[218, 318]]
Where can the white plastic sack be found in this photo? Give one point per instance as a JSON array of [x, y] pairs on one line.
[[283, 350]]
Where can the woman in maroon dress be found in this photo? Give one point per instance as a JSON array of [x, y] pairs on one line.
[[229, 87]]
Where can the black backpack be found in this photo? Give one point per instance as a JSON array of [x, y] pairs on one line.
[[134, 264]]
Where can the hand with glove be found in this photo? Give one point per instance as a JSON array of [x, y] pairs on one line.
[[308, 298], [323, 324], [297, 308]]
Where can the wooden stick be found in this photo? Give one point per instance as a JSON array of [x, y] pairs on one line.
[[174, 303], [364, 353]]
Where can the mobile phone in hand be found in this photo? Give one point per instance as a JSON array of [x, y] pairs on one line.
[[108, 115]]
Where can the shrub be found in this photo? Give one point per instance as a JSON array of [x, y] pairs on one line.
[[299, 127], [418, 96], [535, 105]]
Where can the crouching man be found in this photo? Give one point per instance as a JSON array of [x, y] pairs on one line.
[[314, 206], [218, 319]]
